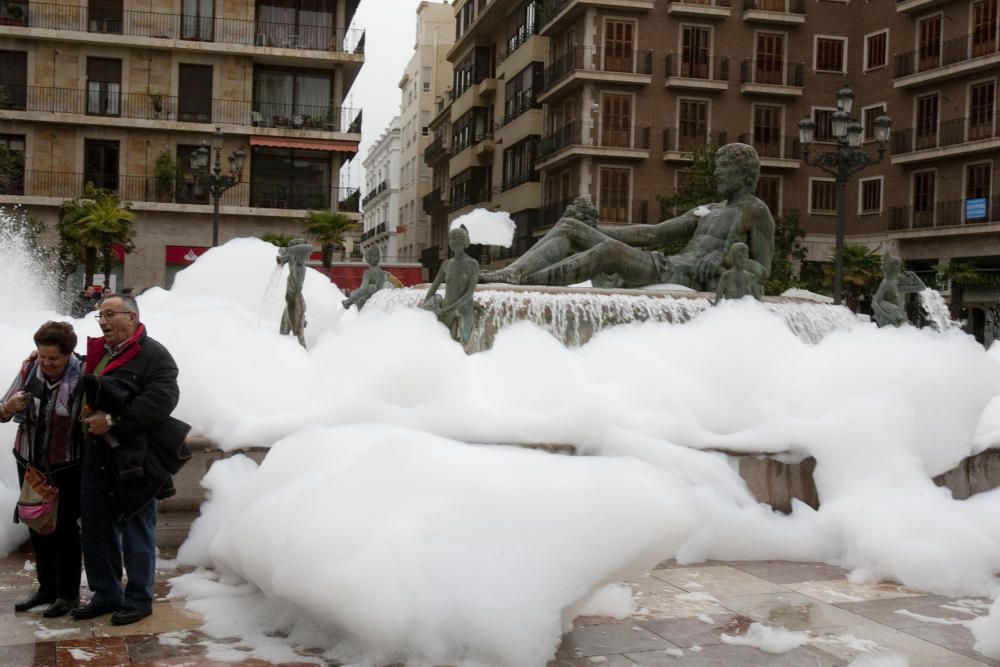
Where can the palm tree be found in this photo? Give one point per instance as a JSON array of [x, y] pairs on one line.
[[326, 227], [958, 273], [276, 238], [95, 223], [862, 273]]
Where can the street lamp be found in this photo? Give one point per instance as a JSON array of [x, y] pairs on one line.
[[846, 159], [214, 181]]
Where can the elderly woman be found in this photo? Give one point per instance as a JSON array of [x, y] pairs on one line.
[[44, 400]]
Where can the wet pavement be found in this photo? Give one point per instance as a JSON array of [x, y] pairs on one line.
[[684, 612]]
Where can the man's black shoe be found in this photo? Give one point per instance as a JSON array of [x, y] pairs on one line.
[[90, 611], [129, 615], [60, 607], [38, 599]]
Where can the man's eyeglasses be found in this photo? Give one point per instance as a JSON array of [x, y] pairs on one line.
[[108, 314]]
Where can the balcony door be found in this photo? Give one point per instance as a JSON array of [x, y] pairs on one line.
[[104, 87], [100, 163], [619, 46], [770, 63], [767, 130], [927, 122], [978, 180], [695, 48], [929, 43], [692, 125], [616, 121], [194, 99], [198, 20], [923, 198], [14, 79], [615, 184], [982, 107], [984, 27], [105, 16]]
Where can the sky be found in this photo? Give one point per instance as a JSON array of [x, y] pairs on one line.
[[390, 32]]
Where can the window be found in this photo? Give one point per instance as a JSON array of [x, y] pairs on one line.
[[12, 183], [927, 121], [194, 101], [425, 119], [296, 98], [471, 70], [769, 192], [100, 163], [521, 24], [198, 20], [297, 24], [289, 178], [978, 178], [767, 130], [471, 128], [830, 54], [923, 198], [981, 106], [824, 124], [104, 86], [519, 163], [521, 91], [929, 42], [105, 16], [469, 187], [822, 196], [868, 116], [619, 44], [692, 125], [614, 194], [770, 58], [984, 27], [14, 79], [695, 49], [876, 50], [616, 121], [870, 195]]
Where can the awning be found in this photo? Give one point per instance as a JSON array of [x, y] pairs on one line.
[[336, 146]]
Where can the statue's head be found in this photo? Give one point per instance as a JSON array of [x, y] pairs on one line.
[[373, 256], [583, 209], [891, 265], [737, 166], [458, 239], [739, 255]]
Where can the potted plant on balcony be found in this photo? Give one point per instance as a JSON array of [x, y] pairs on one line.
[[13, 14], [165, 173], [156, 101]]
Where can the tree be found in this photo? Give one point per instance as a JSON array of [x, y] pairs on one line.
[[787, 253], [327, 228], [93, 224], [276, 239], [958, 274], [11, 170], [862, 275]]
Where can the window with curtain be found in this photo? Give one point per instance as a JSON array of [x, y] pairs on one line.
[[197, 20], [301, 24], [104, 76], [289, 178], [290, 98], [12, 183]]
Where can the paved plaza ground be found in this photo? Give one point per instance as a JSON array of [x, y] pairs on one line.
[[684, 611]]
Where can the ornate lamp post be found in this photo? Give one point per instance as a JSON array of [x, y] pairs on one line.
[[213, 180], [845, 160]]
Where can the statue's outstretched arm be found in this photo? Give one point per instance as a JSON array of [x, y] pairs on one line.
[[911, 282], [652, 235]]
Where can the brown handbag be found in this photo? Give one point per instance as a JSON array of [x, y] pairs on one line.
[[39, 502]]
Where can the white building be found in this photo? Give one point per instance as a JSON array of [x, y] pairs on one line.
[[380, 205]]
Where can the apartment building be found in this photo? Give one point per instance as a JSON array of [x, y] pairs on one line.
[[628, 88], [427, 76], [380, 221], [121, 94]]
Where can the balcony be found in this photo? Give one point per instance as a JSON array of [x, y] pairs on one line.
[[967, 54], [75, 105], [516, 41], [915, 6], [59, 186], [769, 77], [434, 202], [159, 29], [960, 136], [775, 150], [618, 67], [702, 9], [706, 74], [375, 192], [466, 198], [940, 214], [514, 180], [437, 152], [780, 12], [579, 139], [678, 147], [378, 230], [553, 13]]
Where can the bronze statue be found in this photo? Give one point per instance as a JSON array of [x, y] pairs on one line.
[[373, 280], [737, 281], [887, 303], [293, 320], [574, 251], [457, 310]]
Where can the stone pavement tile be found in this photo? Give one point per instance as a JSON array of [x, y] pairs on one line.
[[656, 598], [686, 632], [717, 581], [167, 617], [42, 654], [786, 572], [723, 655], [955, 638], [166, 646], [608, 638], [92, 652], [608, 661], [791, 611], [850, 642], [886, 612], [27, 627], [840, 591]]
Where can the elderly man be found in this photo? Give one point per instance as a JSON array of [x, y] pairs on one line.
[[130, 391], [574, 251]]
